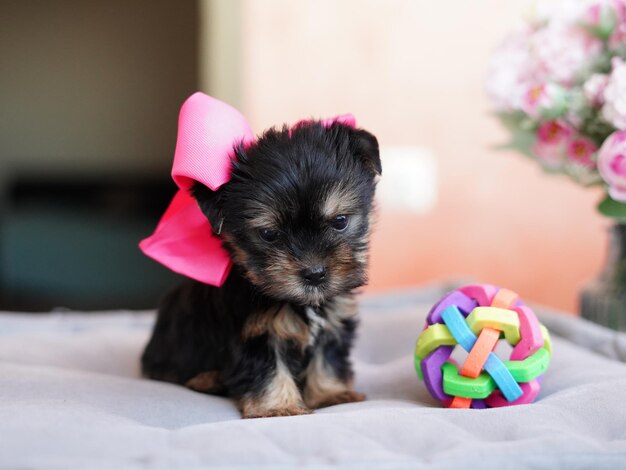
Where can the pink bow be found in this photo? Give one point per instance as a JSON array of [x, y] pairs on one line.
[[208, 130]]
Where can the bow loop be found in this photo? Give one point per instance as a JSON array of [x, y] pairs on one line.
[[208, 130]]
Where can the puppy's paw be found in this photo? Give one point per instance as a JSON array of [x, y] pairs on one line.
[[270, 413], [206, 382], [346, 396]]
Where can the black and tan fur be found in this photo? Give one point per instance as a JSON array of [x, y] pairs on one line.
[[277, 335]]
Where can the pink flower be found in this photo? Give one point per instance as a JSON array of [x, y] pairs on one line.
[[593, 14], [534, 98], [563, 50], [551, 156], [612, 164], [551, 145], [542, 97], [563, 11], [614, 109], [580, 150], [510, 72], [593, 88], [553, 132]]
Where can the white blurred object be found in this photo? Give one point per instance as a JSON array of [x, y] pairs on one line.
[[409, 180]]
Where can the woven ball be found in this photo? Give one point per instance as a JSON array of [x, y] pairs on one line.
[[475, 318]]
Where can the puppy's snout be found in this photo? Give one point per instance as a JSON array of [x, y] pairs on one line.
[[314, 275]]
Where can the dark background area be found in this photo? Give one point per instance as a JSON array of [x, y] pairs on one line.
[[89, 100]]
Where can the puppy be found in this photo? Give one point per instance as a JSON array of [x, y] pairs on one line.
[[295, 219]]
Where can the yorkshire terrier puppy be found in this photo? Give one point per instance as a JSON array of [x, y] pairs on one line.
[[295, 219]]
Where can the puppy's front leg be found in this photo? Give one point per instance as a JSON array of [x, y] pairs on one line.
[[268, 389], [329, 374], [325, 387]]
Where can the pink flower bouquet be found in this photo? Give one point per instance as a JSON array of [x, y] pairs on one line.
[[559, 85]]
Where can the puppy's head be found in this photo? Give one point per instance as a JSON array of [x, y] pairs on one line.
[[295, 215]]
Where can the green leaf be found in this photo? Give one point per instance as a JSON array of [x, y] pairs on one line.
[[521, 142], [512, 120], [612, 208]]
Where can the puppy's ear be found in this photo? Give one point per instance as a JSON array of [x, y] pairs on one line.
[[210, 205], [364, 146]]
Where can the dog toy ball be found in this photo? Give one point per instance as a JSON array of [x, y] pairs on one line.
[[474, 318]]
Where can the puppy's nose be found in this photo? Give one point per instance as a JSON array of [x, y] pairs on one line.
[[314, 275]]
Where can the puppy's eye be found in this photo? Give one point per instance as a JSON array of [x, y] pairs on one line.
[[268, 235], [340, 222]]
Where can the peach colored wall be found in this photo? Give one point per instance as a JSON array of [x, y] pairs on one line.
[[412, 72]]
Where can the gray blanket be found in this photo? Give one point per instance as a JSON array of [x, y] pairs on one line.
[[71, 397]]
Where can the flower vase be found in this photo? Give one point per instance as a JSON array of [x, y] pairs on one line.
[[603, 301]]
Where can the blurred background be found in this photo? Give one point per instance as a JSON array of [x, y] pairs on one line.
[[89, 99]]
